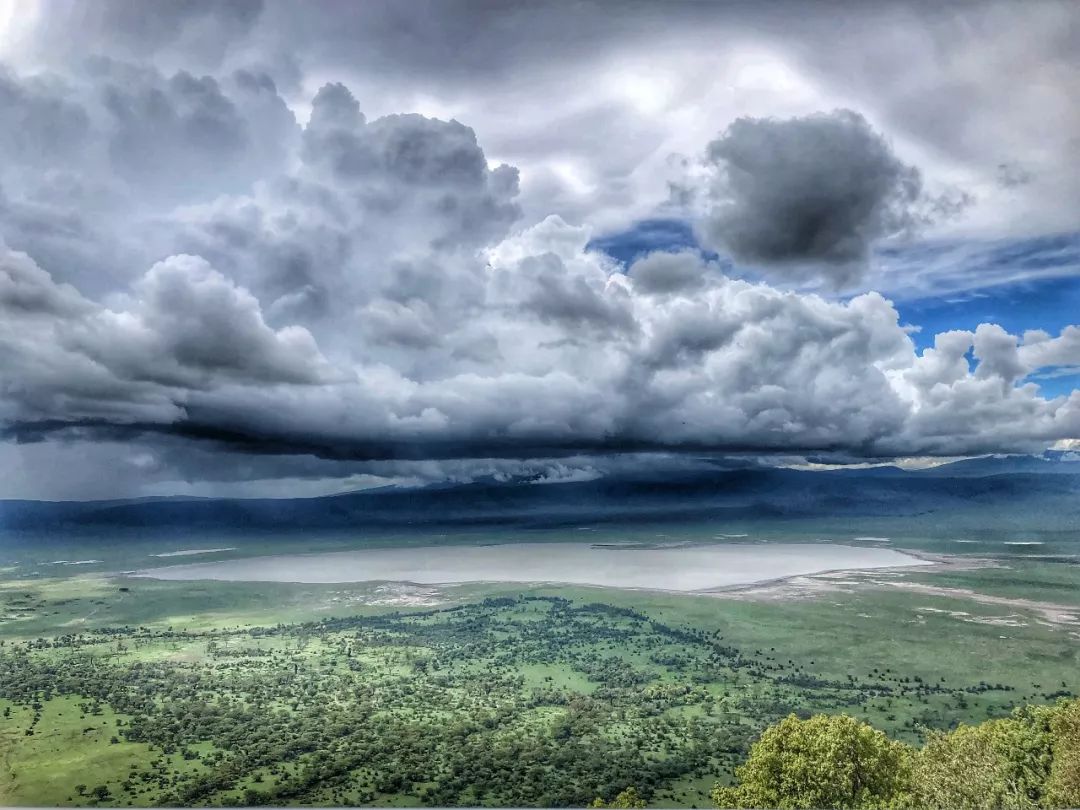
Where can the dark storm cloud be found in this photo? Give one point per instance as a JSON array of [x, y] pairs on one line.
[[145, 464], [810, 194], [246, 440]]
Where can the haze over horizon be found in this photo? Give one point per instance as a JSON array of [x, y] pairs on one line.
[[269, 248]]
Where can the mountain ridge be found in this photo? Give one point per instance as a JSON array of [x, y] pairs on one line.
[[756, 493]]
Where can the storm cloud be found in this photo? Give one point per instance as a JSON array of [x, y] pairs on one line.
[[806, 195], [375, 257], [727, 365]]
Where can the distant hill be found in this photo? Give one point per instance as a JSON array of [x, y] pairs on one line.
[[1053, 462], [973, 488]]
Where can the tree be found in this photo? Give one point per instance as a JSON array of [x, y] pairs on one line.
[[824, 761], [1063, 787], [998, 763], [101, 793], [628, 798]]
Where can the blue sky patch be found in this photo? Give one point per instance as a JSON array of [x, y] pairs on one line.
[[1047, 303], [647, 236]]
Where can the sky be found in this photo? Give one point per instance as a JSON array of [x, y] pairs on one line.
[[273, 248]]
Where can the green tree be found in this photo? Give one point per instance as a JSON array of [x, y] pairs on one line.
[[628, 799], [998, 763], [825, 761], [1063, 787], [101, 793]]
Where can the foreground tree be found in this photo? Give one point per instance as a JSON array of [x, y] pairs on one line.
[[998, 764], [826, 761], [1028, 760], [1063, 788]]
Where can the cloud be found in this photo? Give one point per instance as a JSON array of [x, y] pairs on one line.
[[394, 208], [573, 302], [661, 272], [198, 31], [409, 159], [963, 411], [1038, 349], [1011, 175], [182, 327], [169, 466], [92, 159], [661, 81], [27, 291], [807, 195], [165, 135], [944, 269], [42, 122], [205, 323], [236, 255], [734, 366], [995, 351]]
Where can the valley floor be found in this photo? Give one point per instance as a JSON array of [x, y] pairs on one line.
[[117, 690]]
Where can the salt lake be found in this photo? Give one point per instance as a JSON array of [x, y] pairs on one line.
[[670, 568]]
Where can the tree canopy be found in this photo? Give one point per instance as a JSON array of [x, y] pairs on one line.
[[825, 761], [1028, 760]]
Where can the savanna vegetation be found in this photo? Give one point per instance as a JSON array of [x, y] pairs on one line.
[[545, 697]]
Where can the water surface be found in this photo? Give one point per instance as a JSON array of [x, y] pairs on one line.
[[682, 568]]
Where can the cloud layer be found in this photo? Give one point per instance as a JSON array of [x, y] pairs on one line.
[[556, 351], [211, 247]]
